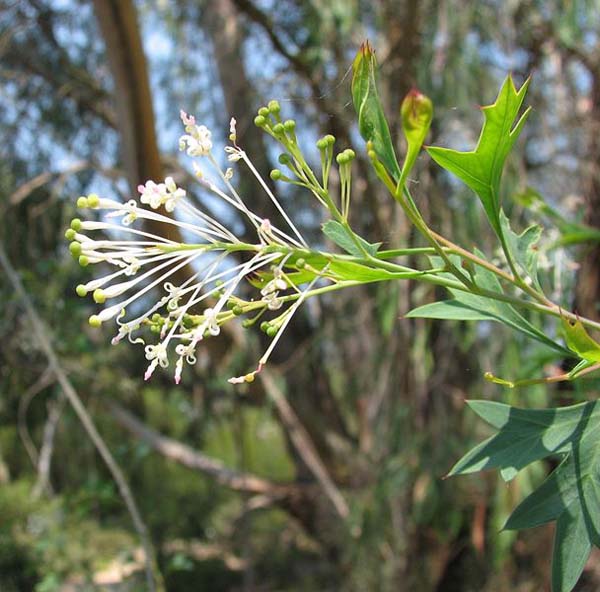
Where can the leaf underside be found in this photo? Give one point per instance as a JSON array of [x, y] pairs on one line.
[[470, 307], [570, 495]]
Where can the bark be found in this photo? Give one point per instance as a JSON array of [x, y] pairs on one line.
[[588, 283], [135, 114]]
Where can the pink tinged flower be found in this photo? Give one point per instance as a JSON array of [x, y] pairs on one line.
[[188, 120], [153, 194]]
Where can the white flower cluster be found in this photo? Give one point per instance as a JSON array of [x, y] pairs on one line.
[[144, 263], [161, 194], [197, 141]]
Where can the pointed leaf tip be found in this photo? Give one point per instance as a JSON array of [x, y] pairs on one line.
[[481, 168]]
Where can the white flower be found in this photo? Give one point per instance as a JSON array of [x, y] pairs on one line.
[[144, 263], [232, 130], [233, 154], [152, 194], [212, 325], [197, 141]]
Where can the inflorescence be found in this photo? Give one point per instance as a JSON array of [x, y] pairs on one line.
[[215, 259]]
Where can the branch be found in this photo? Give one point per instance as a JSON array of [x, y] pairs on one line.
[[41, 333], [187, 456], [303, 444], [265, 23]]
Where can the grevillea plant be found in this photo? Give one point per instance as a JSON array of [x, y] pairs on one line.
[[283, 271]]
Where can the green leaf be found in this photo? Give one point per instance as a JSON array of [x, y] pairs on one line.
[[570, 494], [346, 239], [481, 168], [372, 123], [351, 271], [522, 247], [449, 310], [572, 547], [579, 341], [474, 307]]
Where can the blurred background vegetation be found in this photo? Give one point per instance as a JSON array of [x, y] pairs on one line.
[[327, 474]]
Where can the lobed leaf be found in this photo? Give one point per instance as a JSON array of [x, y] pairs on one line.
[[522, 247], [570, 494], [481, 168]]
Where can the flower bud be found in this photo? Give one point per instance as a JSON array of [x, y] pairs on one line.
[[95, 321], [93, 200], [99, 296], [416, 112], [75, 248]]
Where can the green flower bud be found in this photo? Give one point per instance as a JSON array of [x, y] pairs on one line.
[[82, 202], [300, 263], [81, 291], [264, 326], [416, 112], [329, 139], [75, 248], [93, 200], [70, 234], [284, 159], [274, 107], [289, 125], [237, 310], [76, 224], [271, 331], [275, 174], [341, 158], [155, 317], [95, 321], [350, 154], [264, 112], [246, 323], [83, 261], [99, 296], [322, 144], [260, 121], [278, 129]]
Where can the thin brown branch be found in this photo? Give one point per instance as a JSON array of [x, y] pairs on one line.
[[45, 380], [188, 457], [55, 408], [303, 444]]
